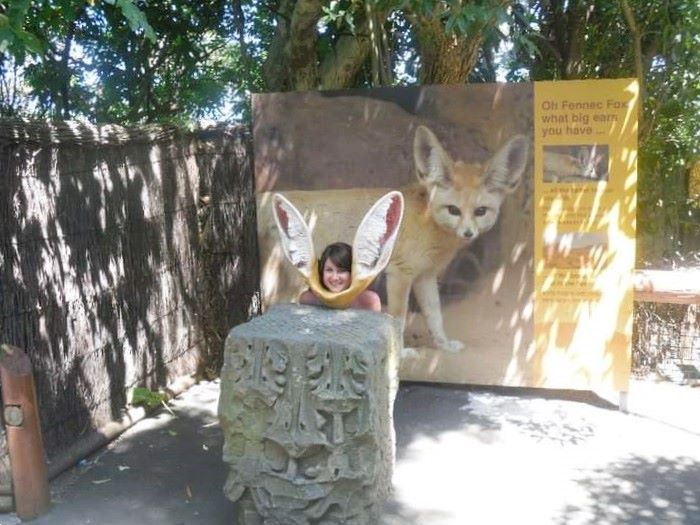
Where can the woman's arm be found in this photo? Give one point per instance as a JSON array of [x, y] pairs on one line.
[[308, 297], [368, 300]]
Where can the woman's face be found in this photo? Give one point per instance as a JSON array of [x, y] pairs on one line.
[[334, 278]]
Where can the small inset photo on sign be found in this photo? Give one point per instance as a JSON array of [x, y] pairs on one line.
[[576, 163], [575, 250]]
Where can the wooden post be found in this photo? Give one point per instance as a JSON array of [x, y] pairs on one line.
[[26, 448]]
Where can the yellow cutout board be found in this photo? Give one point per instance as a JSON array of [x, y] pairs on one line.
[[585, 144]]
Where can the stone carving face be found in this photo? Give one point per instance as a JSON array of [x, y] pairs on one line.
[[299, 432]]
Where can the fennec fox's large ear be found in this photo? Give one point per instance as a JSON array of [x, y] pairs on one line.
[[433, 163], [294, 235], [505, 169], [374, 241]]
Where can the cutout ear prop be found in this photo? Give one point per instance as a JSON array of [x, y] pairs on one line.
[[372, 246], [294, 235]]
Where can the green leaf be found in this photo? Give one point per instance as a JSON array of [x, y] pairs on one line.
[[450, 25], [11, 32], [140, 396], [462, 25], [7, 37], [31, 42], [350, 21], [17, 11], [135, 17]]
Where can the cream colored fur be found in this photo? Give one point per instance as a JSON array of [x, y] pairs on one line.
[[450, 205]]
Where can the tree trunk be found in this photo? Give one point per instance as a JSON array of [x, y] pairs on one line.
[[565, 33], [637, 44], [340, 68], [292, 62], [301, 47], [381, 67], [275, 67], [445, 59]]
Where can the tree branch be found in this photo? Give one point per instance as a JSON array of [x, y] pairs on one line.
[[65, 69], [381, 68], [301, 46], [448, 58], [576, 20], [341, 67], [239, 22], [637, 42], [275, 71]]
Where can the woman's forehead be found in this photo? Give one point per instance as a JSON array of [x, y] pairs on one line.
[[330, 264]]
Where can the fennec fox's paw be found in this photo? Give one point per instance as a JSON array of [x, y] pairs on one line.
[[449, 345], [408, 352]]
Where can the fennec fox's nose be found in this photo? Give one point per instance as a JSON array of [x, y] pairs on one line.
[[468, 233]]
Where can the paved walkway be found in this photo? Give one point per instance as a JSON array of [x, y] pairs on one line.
[[463, 456]]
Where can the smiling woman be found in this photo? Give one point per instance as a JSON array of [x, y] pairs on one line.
[[335, 265], [335, 268], [338, 281]]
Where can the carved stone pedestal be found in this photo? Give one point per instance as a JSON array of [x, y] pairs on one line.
[[306, 409]]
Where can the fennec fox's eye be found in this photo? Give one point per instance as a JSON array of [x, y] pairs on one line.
[[480, 211], [454, 210]]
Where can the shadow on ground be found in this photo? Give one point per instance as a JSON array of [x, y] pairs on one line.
[[464, 455], [640, 490], [423, 410], [167, 470]]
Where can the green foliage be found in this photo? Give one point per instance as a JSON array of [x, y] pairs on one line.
[[581, 39], [140, 396], [136, 18], [462, 19], [670, 136], [123, 61], [13, 38], [341, 13], [131, 61]]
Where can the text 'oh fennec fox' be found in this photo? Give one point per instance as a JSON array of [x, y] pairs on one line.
[[452, 203]]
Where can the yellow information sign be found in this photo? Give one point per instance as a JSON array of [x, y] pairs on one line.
[[585, 144]]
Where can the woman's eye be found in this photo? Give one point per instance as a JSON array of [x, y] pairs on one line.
[[454, 210], [480, 211]]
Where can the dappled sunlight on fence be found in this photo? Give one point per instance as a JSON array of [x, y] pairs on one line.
[[107, 266]]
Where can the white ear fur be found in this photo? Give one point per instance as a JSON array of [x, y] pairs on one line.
[[432, 161], [294, 234], [505, 169], [375, 237]]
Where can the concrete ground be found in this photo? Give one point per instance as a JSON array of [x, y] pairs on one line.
[[463, 456]]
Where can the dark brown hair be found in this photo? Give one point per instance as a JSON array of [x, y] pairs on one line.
[[340, 253]]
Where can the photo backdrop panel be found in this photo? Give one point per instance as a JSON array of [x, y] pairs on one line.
[[585, 188], [333, 153]]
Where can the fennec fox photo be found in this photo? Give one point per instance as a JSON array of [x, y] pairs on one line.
[[450, 205], [461, 276]]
